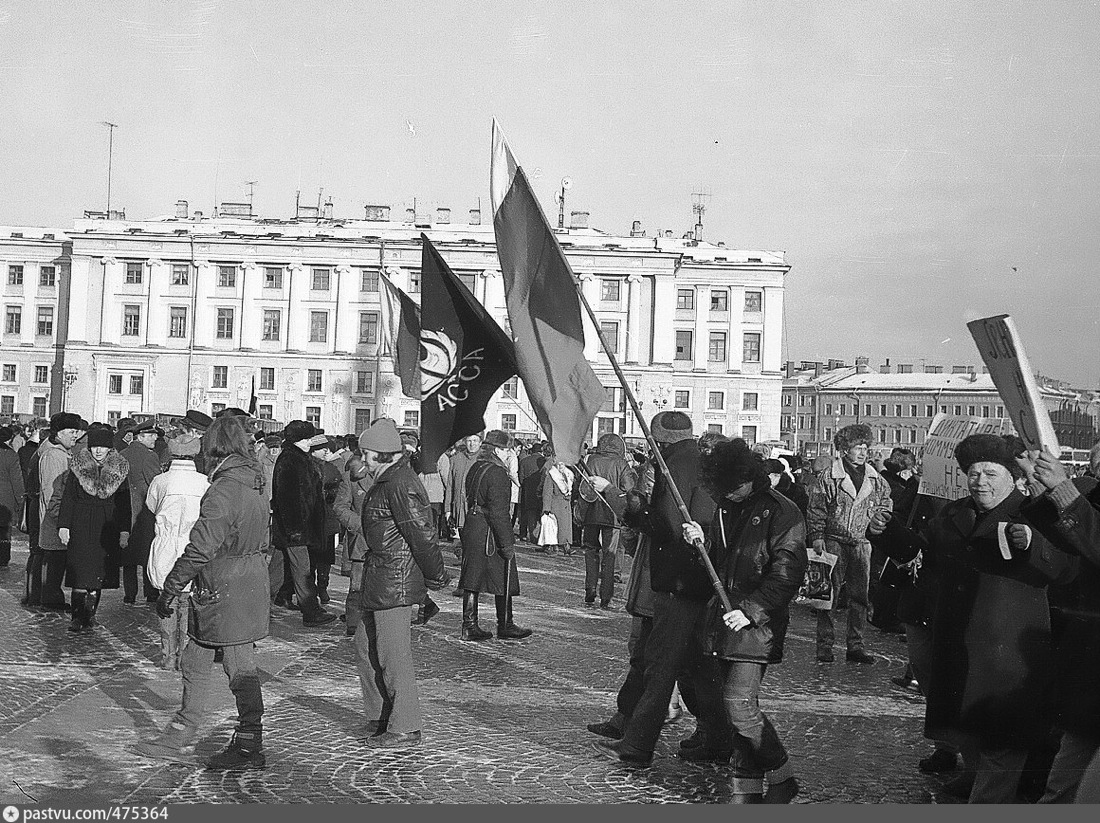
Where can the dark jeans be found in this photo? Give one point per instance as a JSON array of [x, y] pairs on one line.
[[756, 746], [674, 650], [296, 559], [129, 583], [599, 561], [852, 571], [239, 663]]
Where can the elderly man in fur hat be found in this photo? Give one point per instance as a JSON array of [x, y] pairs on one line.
[[842, 501]]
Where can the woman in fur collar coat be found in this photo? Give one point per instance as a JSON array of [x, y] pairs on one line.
[[94, 521]]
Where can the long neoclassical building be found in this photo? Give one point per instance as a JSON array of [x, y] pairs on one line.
[[116, 317]]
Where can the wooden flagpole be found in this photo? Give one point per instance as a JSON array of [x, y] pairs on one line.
[[719, 589]]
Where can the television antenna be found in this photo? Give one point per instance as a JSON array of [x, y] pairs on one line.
[[110, 159], [566, 185], [698, 208], [251, 191]]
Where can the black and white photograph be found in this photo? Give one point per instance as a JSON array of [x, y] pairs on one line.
[[548, 404]]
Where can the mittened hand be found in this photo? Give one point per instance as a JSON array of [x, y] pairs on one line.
[[692, 531], [878, 522], [164, 605], [1018, 536]]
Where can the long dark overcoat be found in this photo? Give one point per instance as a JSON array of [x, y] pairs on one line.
[[95, 508], [297, 500], [144, 466], [992, 658], [488, 564], [1075, 528]]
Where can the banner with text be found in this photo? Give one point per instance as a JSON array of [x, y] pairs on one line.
[[940, 474], [1003, 352]]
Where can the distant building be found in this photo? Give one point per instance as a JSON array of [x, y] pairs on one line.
[[899, 404], [189, 311]]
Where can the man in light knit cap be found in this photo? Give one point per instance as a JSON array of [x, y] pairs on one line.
[[173, 500]]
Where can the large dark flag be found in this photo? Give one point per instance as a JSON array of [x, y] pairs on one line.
[[464, 357], [401, 330], [544, 310]]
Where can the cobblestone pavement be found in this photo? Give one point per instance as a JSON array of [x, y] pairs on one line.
[[504, 721]]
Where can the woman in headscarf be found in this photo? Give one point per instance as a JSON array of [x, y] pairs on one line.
[[557, 500], [94, 520], [992, 659]]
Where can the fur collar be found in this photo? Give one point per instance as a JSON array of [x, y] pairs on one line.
[[99, 480]]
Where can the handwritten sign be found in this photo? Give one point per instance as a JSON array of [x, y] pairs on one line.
[[1003, 352], [940, 474]]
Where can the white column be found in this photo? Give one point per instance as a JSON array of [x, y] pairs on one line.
[[157, 286], [110, 310], [701, 341], [590, 288], [636, 327], [346, 315], [206, 317], [664, 333], [295, 319], [771, 347]]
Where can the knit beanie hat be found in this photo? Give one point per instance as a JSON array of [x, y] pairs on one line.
[[670, 427]]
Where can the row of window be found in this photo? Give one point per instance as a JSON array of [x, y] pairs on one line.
[[320, 276], [717, 346], [615, 399], [807, 421], [47, 275], [900, 409], [225, 326], [719, 301], [615, 425], [364, 380], [9, 373], [13, 320], [38, 405], [886, 436]]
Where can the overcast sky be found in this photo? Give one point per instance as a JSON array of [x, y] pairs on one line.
[[921, 163]]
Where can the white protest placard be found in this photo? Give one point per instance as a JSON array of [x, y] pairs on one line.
[[1003, 352], [940, 474]]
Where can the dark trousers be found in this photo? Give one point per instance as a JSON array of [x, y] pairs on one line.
[[32, 593], [600, 543], [674, 650], [6, 516], [239, 663], [55, 562], [129, 583], [756, 746], [296, 560]]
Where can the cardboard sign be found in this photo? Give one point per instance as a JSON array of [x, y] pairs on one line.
[[1003, 353], [940, 474]]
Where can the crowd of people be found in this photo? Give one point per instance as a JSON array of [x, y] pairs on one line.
[[997, 593]]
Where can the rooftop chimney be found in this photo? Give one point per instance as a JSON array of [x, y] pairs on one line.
[[181, 209], [326, 210], [442, 215], [698, 232], [578, 220], [410, 215], [377, 214], [636, 229], [233, 209], [475, 217], [836, 364], [863, 365]]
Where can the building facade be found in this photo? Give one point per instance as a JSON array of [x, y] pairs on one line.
[[187, 311], [899, 404]]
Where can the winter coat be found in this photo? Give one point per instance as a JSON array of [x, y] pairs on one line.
[[794, 492], [349, 509], [53, 462], [759, 551], [325, 554], [433, 485], [530, 481], [1070, 518], [267, 464], [95, 508], [558, 503], [225, 558], [173, 499], [836, 511], [639, 593], [674, 565], [403, 557], [991, 650], [609, 462], [297, 500], [11, 486], [144, 466], [488, 563], [27, 453], [903, 492], [454, 497]]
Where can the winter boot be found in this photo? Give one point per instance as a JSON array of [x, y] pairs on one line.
[[77, 624], [245, 751], [470, 629], [506, 629], [176, 744], [91, 603], [322, 583]]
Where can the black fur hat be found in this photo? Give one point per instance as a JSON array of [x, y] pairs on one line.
[[729, 464], [987, 448]]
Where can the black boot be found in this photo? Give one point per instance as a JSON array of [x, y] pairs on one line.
[[77, 624], [32, 588], [91, 603], [245, 751], [506, 629], [470, 629], [322, 583]]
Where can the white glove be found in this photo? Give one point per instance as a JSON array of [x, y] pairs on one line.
[[693, 531], [63, 536]]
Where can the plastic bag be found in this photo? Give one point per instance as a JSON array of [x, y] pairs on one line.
[[548, 530], [817, 590]]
